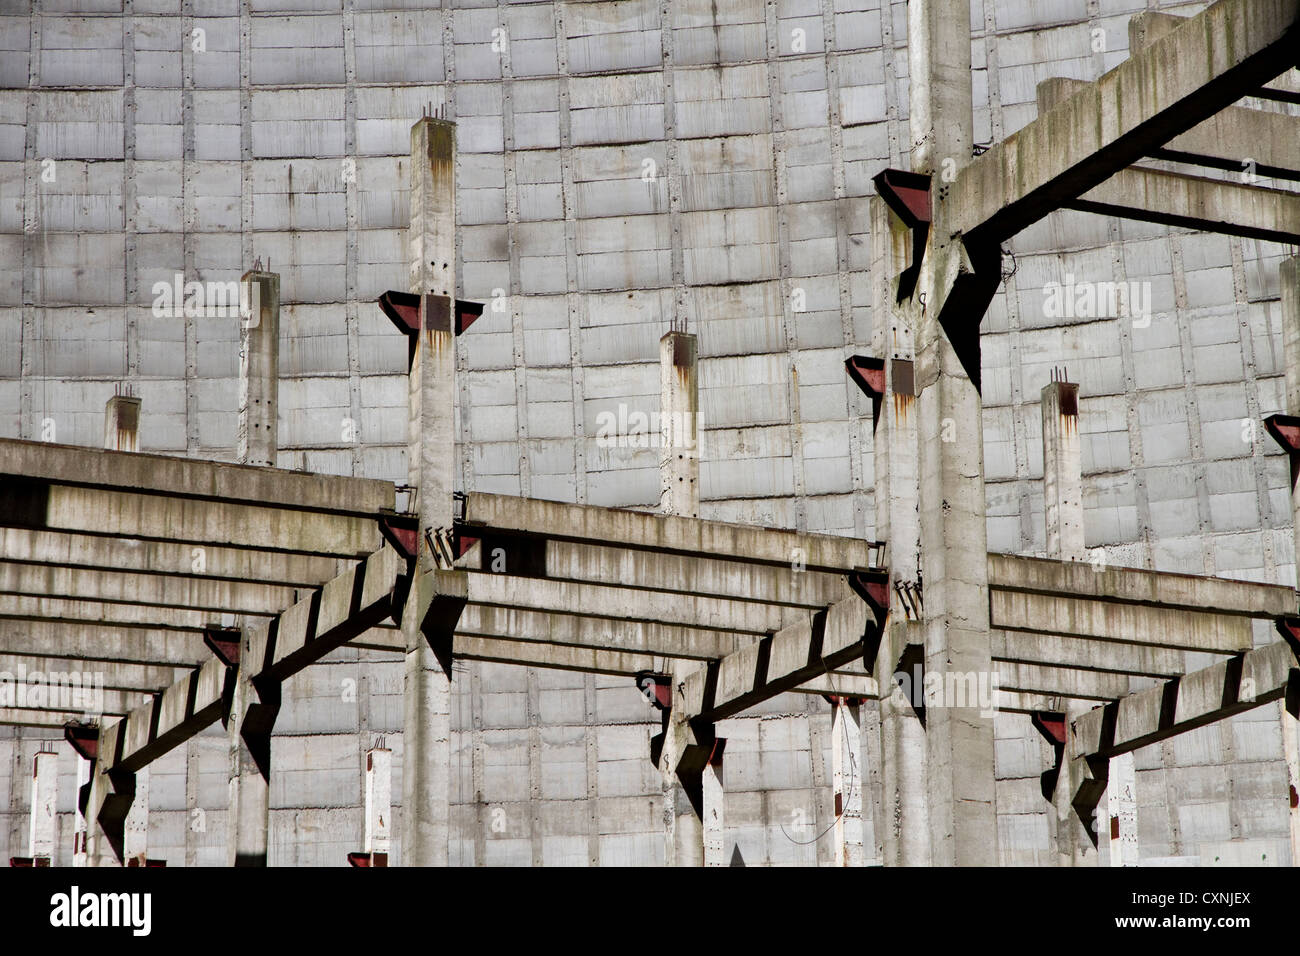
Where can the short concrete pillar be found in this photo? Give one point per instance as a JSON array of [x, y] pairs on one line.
[[683, 799], [40, 844], [122, 423], [431, 456], [1062, 471], [135, 829], [259, 369], [80, 848], [847, 779], [253, 710], [379, 804], [1121, 802], [679, 460], [110, 795], [713, 803]]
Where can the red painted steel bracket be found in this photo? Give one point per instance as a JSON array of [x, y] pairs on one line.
[[908, 195], [225, 643], [83, 738], [403, 308]]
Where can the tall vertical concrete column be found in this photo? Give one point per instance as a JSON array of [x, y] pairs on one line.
[[847, 779], [679, 462], [959, 741], [1121, 803], [259, 369], [253, 710], [1290, 282], [694, 820], [109, 796], [431, 455], [904, 830], [122, 423], [1063, 514]]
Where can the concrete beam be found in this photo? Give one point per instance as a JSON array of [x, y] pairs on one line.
[[200, 594], [1008, 572], [44, 506], [1175, 83], [110, 675], [666, 533], [1220, 142], [526, 556], [1249, 680], [1122, 623], [69, 549], [20, 607], [1192, 202], [1059, 650], [194, 479], [1062, 682], [96, 643], [592, 600], [789, 658]]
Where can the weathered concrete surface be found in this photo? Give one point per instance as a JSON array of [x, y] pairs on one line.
[[259, 370], [1202, 66], [679, 409]]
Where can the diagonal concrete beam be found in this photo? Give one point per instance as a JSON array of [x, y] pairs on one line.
[[1175, 83], [1256, 677], [1224, 141], [1191, 202], [664, 533], [194, 479]]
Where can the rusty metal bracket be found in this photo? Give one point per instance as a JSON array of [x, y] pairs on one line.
[[224, 642], [908, 195], [83, 738]]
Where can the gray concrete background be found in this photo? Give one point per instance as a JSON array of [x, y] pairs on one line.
[[757, 159]]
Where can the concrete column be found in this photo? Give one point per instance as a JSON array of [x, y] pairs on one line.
[[431, 455], [1290, 282], [253, 710], [259, 369], [379, 804], [847, 779], [1121, 802], [954, 540], [135, 829], [122, 423], [713, 800], [110, 796], [683, 798], [1063, 513], [679, 462], [45, 779], [79, 837], [904, 836], [1062, 471]]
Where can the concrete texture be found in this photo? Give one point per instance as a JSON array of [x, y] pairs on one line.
[[171, 160]]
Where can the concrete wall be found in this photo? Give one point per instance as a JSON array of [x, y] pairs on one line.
[[602, 195]]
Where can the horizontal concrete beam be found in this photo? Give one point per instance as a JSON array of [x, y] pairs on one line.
[[1063, 682], [51, 720], [1224, 141], [64, 549], [666, 533], [25, 608], [194, 479], [1177, 82], [594, 600], [119, 587], [39, 505], [657, 571], [94, 642], [1184, 591], [1192, 202], [1121, 623], [111, 675], [1257, 677], [1059, 650]]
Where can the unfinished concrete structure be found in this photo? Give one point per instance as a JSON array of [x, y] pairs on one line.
[[765, 611]]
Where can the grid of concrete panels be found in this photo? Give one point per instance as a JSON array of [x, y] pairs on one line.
[[208, 158]]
